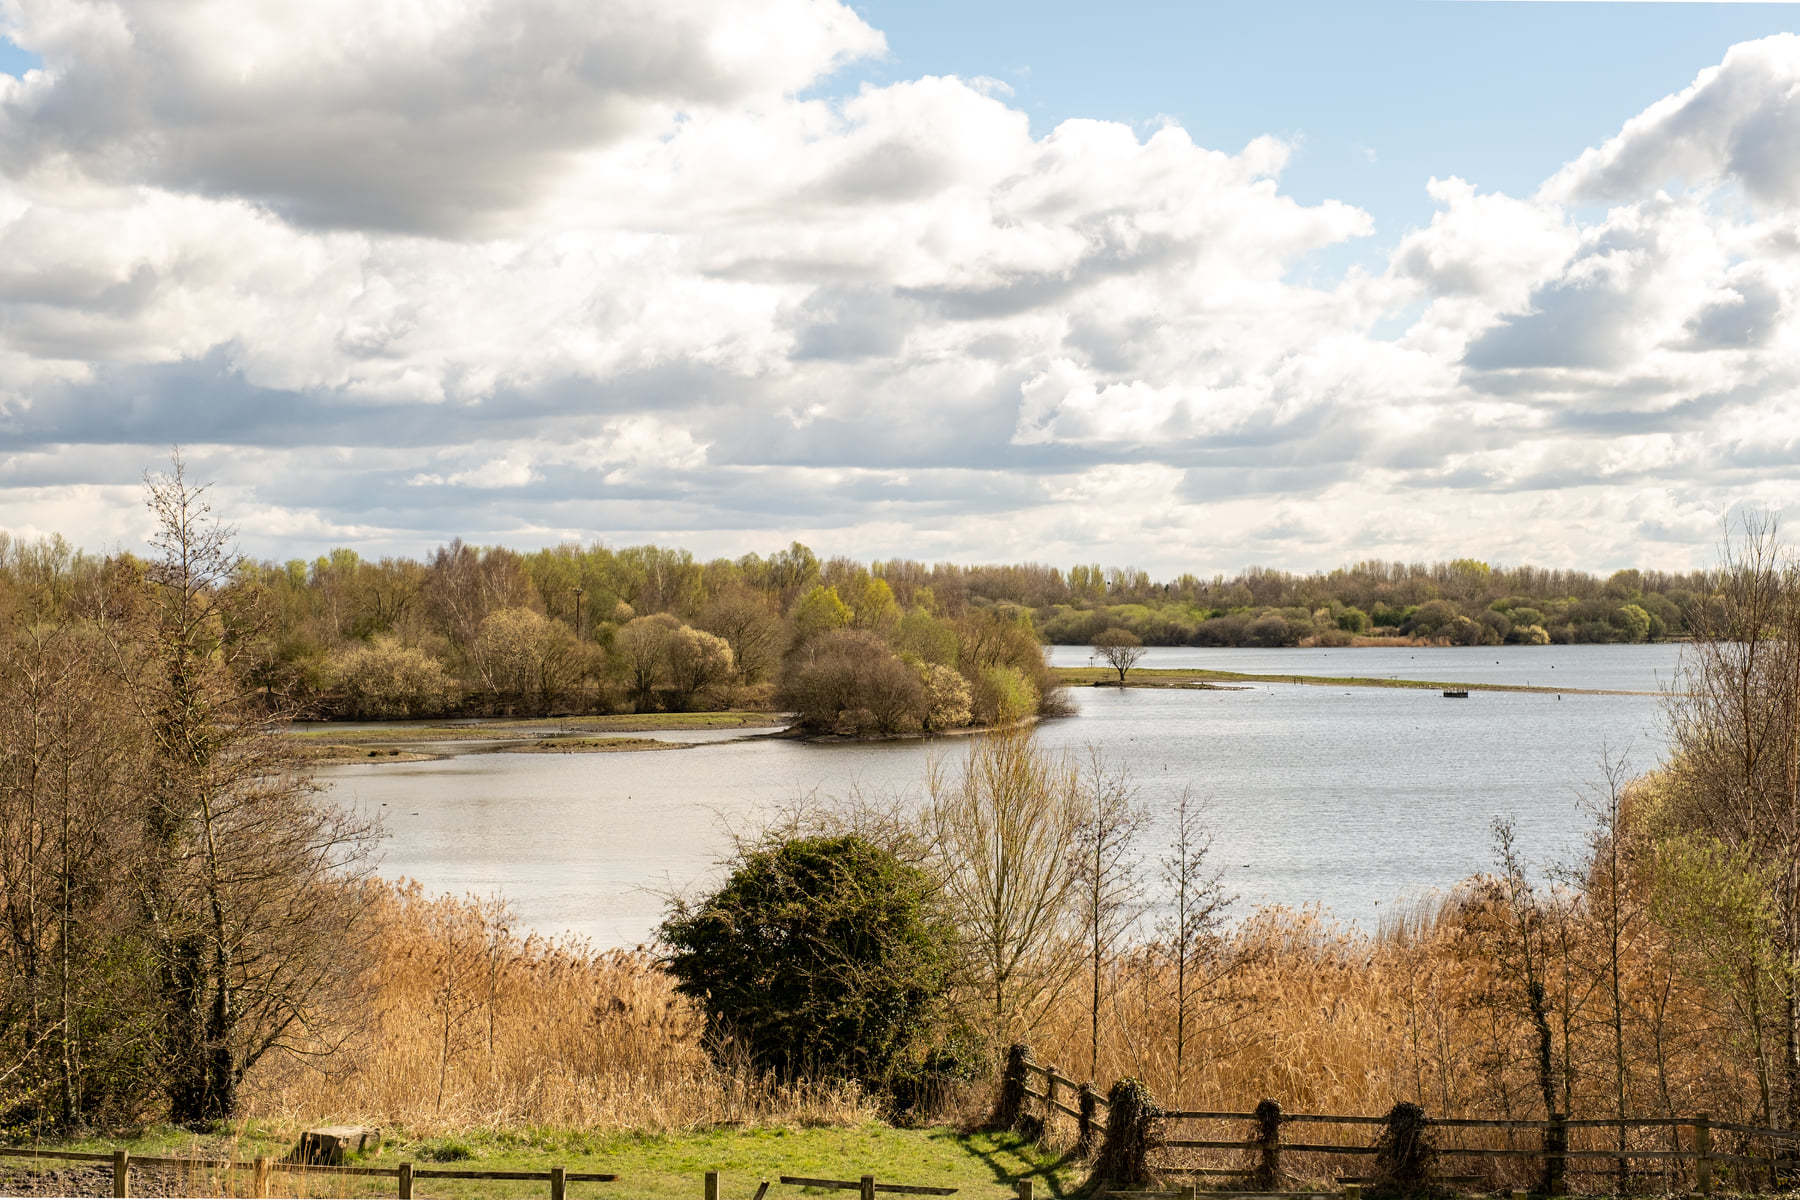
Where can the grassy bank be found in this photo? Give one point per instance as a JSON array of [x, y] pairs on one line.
[[649, 1166], [1170, 677]]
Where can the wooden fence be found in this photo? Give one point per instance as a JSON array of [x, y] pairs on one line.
[[403, 1174], [1692, 1150]]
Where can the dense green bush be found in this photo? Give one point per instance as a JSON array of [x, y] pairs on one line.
[[1003, 696], [820, 957]]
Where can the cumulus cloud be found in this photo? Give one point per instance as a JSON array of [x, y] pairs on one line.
[[1739, 121], [435, 117], [399, 272]]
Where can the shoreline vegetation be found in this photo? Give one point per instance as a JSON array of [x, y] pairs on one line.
[[860, 650], [1206, 679], [332, 743]]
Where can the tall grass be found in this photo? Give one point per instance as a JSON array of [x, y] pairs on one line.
[[469, 1024], [1324, 1018]]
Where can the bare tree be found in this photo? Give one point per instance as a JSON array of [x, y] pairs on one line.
[[1120, 648], [1005, 829], [1106, 870], [1517, 933], [1192, 929]]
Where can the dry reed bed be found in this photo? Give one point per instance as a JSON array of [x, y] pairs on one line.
[[469, 1025]]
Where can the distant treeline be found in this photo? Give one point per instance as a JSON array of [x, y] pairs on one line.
[[1464, 602], [878, 648]]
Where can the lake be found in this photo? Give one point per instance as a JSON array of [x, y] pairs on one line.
[[1354, 798]]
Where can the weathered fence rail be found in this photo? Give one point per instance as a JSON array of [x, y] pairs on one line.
[[260, 1169], [403, 1174], [1679, 1149]]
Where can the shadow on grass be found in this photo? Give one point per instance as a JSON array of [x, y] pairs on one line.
[[1011, 1158]]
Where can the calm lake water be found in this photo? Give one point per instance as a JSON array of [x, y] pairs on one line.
[[1354, 798]]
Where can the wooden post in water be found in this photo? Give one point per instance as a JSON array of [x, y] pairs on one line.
[[1703, 1154], [559, 1183], [260, 1178], [121, 1172], [405, 1181]]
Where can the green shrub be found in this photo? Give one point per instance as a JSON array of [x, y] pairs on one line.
[[1003, 696], [820, 957]]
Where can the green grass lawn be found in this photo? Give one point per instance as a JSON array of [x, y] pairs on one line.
[[983, 1166]]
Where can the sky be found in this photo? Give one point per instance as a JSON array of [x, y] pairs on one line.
[[1182, 287]]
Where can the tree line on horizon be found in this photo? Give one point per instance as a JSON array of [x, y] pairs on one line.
[[858, 648]]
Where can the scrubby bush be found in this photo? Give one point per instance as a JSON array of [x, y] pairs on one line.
[[820, 957], [1003, 696], [527, 659], [1271, 629], [696, 663], [948, 704], [926, 638], [385, 679], [848, 681]]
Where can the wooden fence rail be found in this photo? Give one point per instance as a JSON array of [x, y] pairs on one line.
[[1771, 1154], [261, 1168], [403, 1174]]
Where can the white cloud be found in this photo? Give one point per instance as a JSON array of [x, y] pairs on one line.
[[1738, 121], [519, 270]]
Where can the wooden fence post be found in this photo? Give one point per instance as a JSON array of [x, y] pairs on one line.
[[1405, 1160], [1026, 1189], [1086, 1125], [1122, 1163], [1556, 1147], [121, 1170], [260, 1177], [1520, 1195], [1051, 1079], [712, 1185], [1353, 1191], [559, 1183], [1011, 1105], [1267, 1176], [1703, 1154], [405, 1174], [868, 1187], [1188, 1190]]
